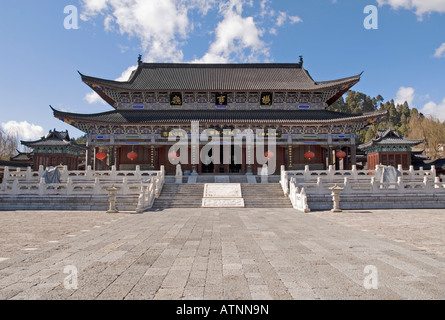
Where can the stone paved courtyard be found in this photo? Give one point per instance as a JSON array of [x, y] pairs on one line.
[[223, 254]]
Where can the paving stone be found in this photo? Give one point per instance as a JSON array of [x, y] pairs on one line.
[[224, 254]]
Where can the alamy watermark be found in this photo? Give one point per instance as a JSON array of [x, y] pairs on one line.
[[372, 20], [70, 281], [71, 21], [231, 143], [371, 280]]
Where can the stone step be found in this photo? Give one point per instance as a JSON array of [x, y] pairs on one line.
[[190, 195]]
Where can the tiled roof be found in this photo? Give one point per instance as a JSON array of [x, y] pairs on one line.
[[217, 116], [389, 137], [52, 139], [221, 77]]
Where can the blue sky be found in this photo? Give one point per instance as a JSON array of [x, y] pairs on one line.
[[404, 59]]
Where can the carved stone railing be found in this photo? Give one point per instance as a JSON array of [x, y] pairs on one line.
[[147, 184], [297, 198], [80, 175], [332, 175], [355, 182]]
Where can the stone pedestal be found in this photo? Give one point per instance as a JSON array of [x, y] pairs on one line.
[[336, 190], [112, 195]]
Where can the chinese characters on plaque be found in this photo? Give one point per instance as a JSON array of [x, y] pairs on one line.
[[221, 99], [266, 99], [176, 99]]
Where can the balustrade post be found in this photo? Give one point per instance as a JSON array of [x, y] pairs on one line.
[[137, 174], [374, 185], [436, 183], [141, 201], [400, 184], [303, 199], [6, 174], [307, 173], [426, 184], [89, 173], [64, 173], [354, 173], [320, 186], [411, 173], [113, 174], [96, 186], [347, 186], [69, 186], [433, 171], [28, 174], [331, 173], [157, 189], [15, 187], [124, 190], [42, 185], [41, 172]]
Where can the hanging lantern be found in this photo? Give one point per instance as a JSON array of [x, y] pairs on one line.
[[269, 155], [309, 155], [101, 155], [340, 154], [173, 156], [132, 155]]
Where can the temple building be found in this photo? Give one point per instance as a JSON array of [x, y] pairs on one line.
[[389, 148], [161, 97], [56, 148]]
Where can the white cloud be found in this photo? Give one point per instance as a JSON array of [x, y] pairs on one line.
[[420, 7], [434, 109], [282, 17], [405, 94], [440, 52], [93, 97], [235, 35], [163, 26], [24, 130], [295, 19], [159, 25]]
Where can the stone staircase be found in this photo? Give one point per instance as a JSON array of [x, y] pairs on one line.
[[179, 196], [255, 195], [264, 195]]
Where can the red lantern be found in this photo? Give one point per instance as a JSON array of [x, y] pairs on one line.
[[132, 155], [309, 155], [173, 156], [269, 155], [101, 155], [341, 154]]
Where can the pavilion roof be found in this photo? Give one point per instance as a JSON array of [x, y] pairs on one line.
[[389, 138], [262, 77], [52, 139]]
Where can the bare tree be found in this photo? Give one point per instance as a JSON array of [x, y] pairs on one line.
[[9, 144], [429, 129]]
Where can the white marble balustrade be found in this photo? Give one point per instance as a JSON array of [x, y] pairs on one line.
[[88, 182], [357, 182]]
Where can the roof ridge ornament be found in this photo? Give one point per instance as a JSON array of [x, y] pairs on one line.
[[139, 60]]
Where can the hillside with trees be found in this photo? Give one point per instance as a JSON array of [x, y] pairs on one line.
[[408, 122]]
